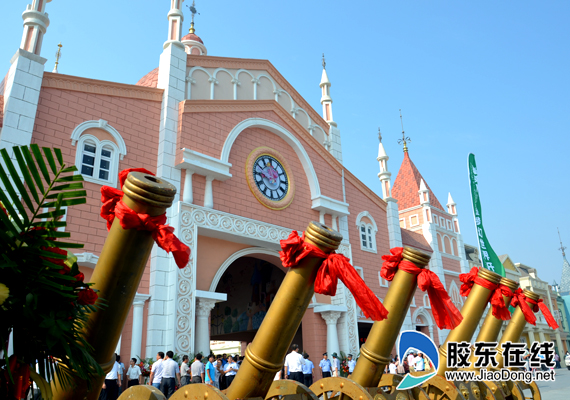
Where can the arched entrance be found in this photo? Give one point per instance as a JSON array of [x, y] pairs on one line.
[[251, 283]]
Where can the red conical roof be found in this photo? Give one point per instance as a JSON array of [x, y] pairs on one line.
[[407, 184]]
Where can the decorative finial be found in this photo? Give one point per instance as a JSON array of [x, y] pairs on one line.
[[324, 62], [57, 57], [562, 248], [192, 9], [404, 139], [379, 135]]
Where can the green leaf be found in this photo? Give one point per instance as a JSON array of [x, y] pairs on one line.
[[40, 161], [58, 155], [70, 178], [67, 195], [50, 214], [66, 170], [11, 211], [32, 167], [69, 186], [66, 203], [26, 174], [16, 180], [50, 160]]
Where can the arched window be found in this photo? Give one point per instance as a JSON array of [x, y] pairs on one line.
[[426, 301], [99, 148], [367, 231], [455, 296]]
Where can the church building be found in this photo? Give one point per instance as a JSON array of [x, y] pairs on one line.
[[251, 161]]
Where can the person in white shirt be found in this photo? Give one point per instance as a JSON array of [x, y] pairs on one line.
[[419, 363], [156, 371], [170, 375], [134, 374], [219, 371], [197, 370], [230, 370], [184, 374], [112, 382], [335, 364], [392, 367], [294, 365], [351, 363], [308, 370]]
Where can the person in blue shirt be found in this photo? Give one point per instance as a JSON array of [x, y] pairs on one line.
[[326, 366], [351, 363], [308, 370], [210, 371]]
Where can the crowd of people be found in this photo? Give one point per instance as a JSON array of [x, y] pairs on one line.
[[220, 370]]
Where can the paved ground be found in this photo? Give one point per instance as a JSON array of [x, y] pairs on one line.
[[559, 389]]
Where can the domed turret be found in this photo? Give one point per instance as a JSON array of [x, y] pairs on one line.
[[193, 44]]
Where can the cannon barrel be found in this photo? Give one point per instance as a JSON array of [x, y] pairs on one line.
[[375, 353], [117, 276], [515, 327], [472, 311], [492, 325], [265, 355]]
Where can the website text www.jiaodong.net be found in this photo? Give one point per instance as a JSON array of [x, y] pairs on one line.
[[500, 375]]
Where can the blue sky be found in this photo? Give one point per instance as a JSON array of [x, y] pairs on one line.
[[470, 76]]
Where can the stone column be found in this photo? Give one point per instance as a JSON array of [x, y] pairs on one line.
[[541, 336], [188, 195], [331, 318], [209, 193], [136, 338], [203, 308], [205, 301]]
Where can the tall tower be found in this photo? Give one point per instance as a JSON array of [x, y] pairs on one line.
[[394, 232], [24, 79], [333, 143], [172, 79], [565, 280]]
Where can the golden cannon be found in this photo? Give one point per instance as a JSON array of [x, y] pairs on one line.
[[118, 274]]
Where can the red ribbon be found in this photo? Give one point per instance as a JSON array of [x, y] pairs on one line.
[[545, 311], [446, 315], [21, 376], [500, 310], [162, 234], [334, 267], [519, 299]]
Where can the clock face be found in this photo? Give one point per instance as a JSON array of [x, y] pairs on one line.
[[269, 178]]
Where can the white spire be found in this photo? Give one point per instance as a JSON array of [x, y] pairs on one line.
[[326, 99], [384, 175], [423, 193], [451, 205]]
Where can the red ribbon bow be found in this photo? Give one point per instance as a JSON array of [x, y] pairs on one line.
[[334, 267], [446, 315], [519, 299], [545, 311], [162, 234], [500, 310]]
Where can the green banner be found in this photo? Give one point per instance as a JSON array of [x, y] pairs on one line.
[[488, 255]]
